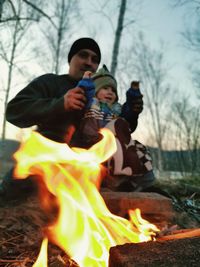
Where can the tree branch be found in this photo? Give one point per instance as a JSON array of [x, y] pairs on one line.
[[40, 11]]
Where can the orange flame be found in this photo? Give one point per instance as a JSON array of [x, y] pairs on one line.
[[85, 229], [42, 257]]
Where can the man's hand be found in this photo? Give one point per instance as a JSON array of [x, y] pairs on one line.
[[74, 99], [137, 104]]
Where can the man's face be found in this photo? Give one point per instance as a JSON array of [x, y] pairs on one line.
[[84, 60]]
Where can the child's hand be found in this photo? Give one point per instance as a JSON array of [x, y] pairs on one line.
[[87, 74]]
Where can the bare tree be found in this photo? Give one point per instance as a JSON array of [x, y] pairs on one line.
[[1, 7], [119, 27], [118, 34], [192, 43], [8, 11], [16, 18], [187, 128], [194, 3], [149, 66], [187, 120], [17, 28], [64, 16], [191, 36]]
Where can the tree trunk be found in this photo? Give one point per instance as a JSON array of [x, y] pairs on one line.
[[10, 71], [1, 8], [118, 34]]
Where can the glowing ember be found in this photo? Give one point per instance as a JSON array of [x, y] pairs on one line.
[[85, 229]]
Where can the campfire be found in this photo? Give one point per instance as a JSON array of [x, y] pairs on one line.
[[84, 229]]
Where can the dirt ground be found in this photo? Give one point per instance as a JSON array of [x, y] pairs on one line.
[[22, 227]]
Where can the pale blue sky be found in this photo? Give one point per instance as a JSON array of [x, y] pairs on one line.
[[162, 22]]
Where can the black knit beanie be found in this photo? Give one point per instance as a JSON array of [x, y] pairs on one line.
[[84, 43]]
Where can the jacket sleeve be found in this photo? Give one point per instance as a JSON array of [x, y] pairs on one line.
[[35, 104]]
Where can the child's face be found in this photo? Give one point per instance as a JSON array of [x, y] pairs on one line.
[[107, 94]]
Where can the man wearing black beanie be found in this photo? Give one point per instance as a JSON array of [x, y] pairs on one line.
[[54, 104], [84, 43]]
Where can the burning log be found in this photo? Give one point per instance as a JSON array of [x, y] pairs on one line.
[[174, 252], [154, 207], [181, 234]]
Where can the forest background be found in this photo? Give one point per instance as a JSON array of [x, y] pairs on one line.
[[156, 42]]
